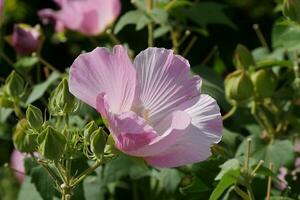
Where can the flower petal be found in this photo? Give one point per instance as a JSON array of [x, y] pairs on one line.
[[163, 83], [194, 143], [191, 147], [101, 71], [206, 116]]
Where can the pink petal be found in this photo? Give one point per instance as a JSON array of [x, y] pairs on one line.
[[195, 141], [206, 116], [159, 143], [163, 83], [101, 71], [193, 146], [17, 164]]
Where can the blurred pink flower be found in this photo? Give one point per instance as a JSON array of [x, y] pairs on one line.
[[26, 39], [153, 106], [17, 164], [89, 17], [297, 145], [1, 7]]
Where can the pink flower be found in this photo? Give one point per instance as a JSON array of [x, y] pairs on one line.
[[153, 106], [17, 164], [1, 7], [89, 17], [26, 39]]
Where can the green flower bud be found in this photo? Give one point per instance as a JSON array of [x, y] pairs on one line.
[[14, 85], [98, 141], [265, 82], [24, 139], [62, 102], [52, 143], [5, 102], [89, 129], [243, 58], [238, 87], [291, 10], [34, 117], [110, 146]]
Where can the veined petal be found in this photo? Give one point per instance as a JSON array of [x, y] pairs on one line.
[[163, 83], [193, 146], [101, 71], [195, 141], [206, 116]]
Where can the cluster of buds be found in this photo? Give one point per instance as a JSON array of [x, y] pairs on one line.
[[246, 83], [36, 134]]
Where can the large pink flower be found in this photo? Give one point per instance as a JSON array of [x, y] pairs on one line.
[[89, 17], [153, 106]]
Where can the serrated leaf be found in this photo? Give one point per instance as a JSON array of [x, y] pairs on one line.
[[39, 89]]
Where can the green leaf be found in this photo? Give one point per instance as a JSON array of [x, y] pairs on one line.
[[94, 188], [243, 58], [131, 17], [160, 16], [29, 190], [169, 179], [279, 153], [43, 183], [196, 187], [160, 31], [26, 63], [286, 35], [5, 113], [142, 22], [39, 89], [124, 166], [206, 13], [227, 180], [231, 164]]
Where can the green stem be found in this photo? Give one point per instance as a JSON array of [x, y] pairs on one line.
[[189, 47], [260, 36], [112, 37], [250, 192], [48, 65], [241, 193], [19, 113], [210, 55], [230, 113], [85, 173], [150, 24]]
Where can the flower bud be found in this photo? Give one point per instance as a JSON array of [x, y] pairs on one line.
[[62, 101], [24, 139], [52, 143], [26, 39], [34, 117], [5, 102], [238, 87], [291, 10], [265, 82], [243, 58], [14, 85], [110, 146], [89, 130], [98, 141]]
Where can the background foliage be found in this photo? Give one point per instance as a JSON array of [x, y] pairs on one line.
[[207, 33]]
